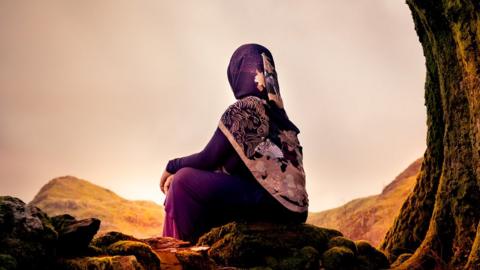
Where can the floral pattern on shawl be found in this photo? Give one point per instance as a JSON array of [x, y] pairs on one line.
[[291, 146], [271, 81], [248, 123], [277, 167]]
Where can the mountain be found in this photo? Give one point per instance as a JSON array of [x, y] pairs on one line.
[[370, 217], [82, 199]]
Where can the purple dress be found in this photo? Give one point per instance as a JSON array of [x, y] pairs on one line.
[[202, 197]]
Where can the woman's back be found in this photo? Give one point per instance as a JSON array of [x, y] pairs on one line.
[[251, 168]]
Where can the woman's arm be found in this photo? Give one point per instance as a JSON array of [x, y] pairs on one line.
[[209, 158]]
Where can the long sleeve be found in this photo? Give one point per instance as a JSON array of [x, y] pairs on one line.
[[210, 158]]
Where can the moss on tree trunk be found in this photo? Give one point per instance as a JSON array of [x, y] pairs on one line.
[[439, 221]]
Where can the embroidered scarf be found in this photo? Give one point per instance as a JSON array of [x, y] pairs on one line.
[[259, 129]]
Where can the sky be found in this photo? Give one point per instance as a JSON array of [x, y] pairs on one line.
[[109, 91]]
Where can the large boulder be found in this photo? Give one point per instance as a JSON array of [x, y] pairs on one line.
[[268, 245], [26, 235], [288, 246], [74, 235]]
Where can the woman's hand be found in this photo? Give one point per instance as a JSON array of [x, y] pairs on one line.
[[168, 183], [163, 180]]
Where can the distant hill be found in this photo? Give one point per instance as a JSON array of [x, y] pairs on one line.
[[369, 218], [83, 199]]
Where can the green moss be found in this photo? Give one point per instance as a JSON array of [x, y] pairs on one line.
[[305, 258], [340, 241], [240, 250], [375, 258], [191, 260], [363, 263], [217, 233], [143, 252], [7, 262], [311, 257], [338, 258], [110, 238], [94, 251], [271, 262], [100, 263]]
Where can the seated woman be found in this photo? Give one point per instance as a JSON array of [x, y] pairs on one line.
[[252, 167]]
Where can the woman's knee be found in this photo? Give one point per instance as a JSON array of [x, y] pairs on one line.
[[182, 178]]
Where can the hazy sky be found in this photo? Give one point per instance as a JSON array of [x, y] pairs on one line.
[[109, 91]]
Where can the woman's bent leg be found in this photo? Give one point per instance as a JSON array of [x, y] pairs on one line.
[[197, 200]]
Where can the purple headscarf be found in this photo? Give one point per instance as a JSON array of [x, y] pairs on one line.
[[251, 72], [259, 129]]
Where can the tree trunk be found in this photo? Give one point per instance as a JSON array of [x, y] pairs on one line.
[[439, 221]]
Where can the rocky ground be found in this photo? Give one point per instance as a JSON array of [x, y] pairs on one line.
[[29, 239]]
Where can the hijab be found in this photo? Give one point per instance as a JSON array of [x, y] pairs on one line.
[[259, 129]]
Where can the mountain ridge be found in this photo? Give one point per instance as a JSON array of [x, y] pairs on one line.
[[81, 198], [368, 218]]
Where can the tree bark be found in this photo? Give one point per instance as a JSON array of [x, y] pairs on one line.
[[439, 221]]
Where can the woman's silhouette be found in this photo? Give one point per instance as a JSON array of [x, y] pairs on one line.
[[252, 167]]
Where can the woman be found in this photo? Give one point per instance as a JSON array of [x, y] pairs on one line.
[[252, 167]]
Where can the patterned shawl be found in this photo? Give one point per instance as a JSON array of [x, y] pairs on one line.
[[258, 127]]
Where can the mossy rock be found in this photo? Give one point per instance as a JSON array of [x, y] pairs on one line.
[[94, 251], [265, 244], [338, 258], [100, 263], [143, 252], [110, 238], [340, 241], [61, 221], [305, 258], [191, 260], [7, 262], [370, 257], [74, 236], [26, 234]]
